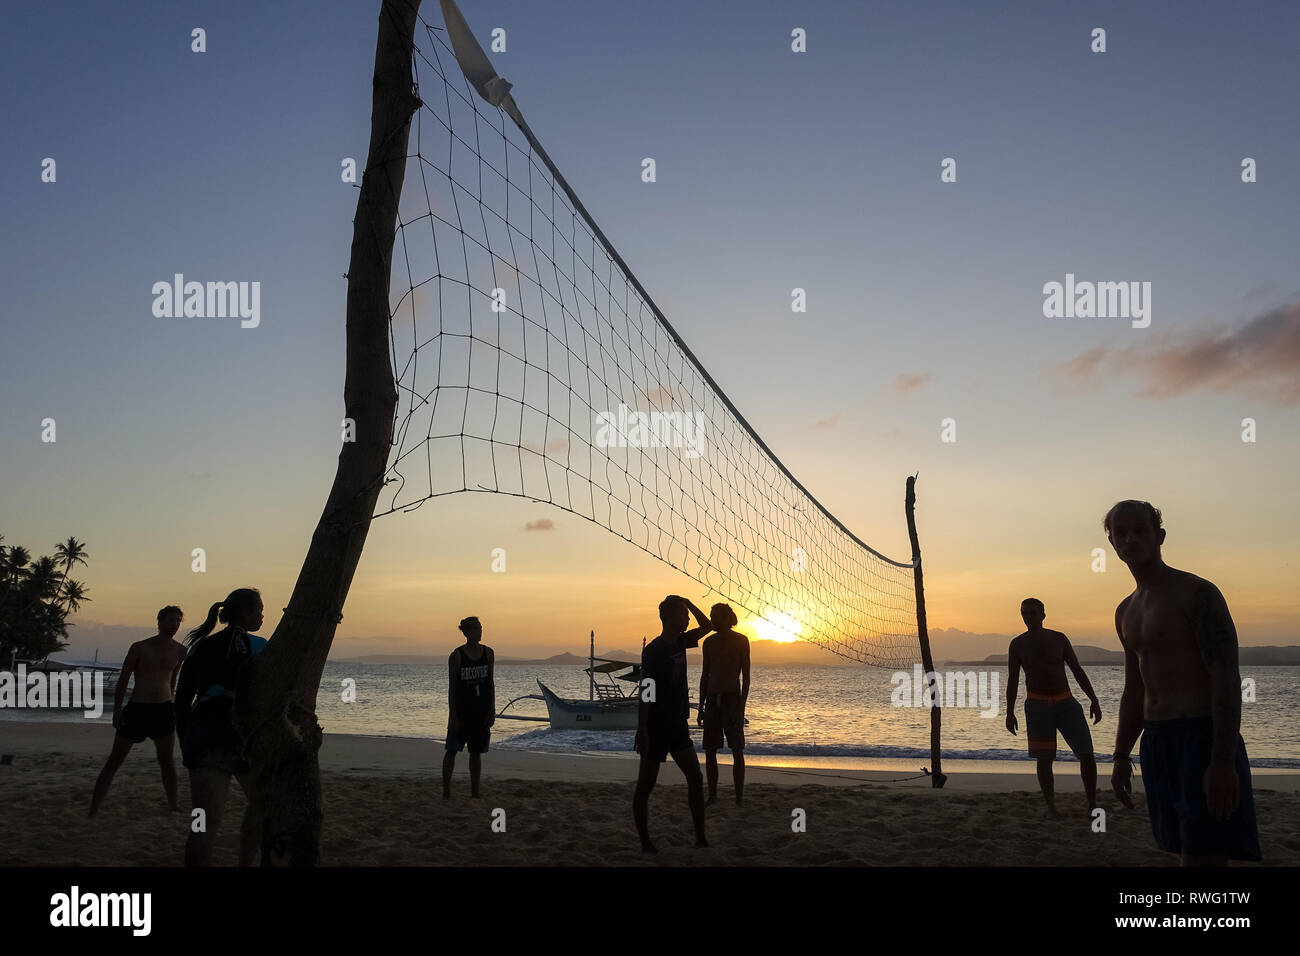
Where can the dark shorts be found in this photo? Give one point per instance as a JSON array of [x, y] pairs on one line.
[[1175, 755], [724, 714], [212, 745], [147, 720], [665, 739], [476, 740], [1044, 717]]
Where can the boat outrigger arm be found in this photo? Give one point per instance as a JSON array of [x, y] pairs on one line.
[[504, 716]]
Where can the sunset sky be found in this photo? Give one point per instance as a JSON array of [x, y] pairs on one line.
[[775, 170]]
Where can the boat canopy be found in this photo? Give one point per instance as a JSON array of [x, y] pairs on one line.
[[610, 666]]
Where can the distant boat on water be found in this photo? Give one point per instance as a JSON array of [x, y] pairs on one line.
[[607, 707], [46, 667]]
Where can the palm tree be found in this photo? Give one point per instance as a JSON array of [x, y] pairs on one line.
[[4, 572], [34, 622], [15, 561], [74, 592], [44, 579], [12, 572], [68, 554], [36, 597]]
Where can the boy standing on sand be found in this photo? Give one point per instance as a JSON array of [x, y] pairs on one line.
[[663, 715], [471, 704], [1049, 705], [155, 663], [1182, 693], [724, 690]]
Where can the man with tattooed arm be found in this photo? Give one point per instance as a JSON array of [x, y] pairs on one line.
[[1182, 693]]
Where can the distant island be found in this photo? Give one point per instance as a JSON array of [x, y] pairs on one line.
[[1263, 656], [762, 654], [562, 659]]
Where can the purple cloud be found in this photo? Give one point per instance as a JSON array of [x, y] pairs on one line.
[[1259, 357]]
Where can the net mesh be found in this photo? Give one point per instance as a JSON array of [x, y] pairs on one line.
[[528, 364]]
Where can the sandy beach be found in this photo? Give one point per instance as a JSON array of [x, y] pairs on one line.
[[383, 806]]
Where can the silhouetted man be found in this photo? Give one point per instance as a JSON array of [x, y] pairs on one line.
[[724, 691], [1049, 706], [1182, 693], [471, 704], [154, 662], [663, 715]]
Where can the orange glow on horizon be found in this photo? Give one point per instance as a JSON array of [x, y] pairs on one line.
[[775, 626]]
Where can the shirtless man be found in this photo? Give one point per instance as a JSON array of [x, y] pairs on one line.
[[1049, 705], [724, 691], [1182, 693], [155, 663], [471, 704]]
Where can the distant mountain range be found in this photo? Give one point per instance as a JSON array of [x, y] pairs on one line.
[[1086, 653], [762, 653], [1264, 656], [947, 644]]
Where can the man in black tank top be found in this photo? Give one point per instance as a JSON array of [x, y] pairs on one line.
[[471, 704], [663, 715]]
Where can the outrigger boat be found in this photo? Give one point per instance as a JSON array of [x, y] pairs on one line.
[[22, 671], [607, 707], [46, 666]]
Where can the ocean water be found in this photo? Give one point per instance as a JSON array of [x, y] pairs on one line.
[[803, 716]]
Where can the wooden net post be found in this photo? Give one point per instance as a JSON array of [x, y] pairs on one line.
[[937, 775]]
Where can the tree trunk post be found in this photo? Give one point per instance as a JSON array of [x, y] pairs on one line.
[[276, 701], [938, 777]]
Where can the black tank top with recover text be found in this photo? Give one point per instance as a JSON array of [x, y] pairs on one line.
[[472, 687]]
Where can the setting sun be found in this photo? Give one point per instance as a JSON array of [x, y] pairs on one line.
[[777, 626]]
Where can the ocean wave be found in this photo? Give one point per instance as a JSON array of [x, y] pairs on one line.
[[582, 741]]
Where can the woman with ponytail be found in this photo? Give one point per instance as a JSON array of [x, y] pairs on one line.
[[211, 748]]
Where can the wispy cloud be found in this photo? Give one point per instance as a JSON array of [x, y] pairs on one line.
[[829, 422], [1258, 357], [910, 381], [541, 524]]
